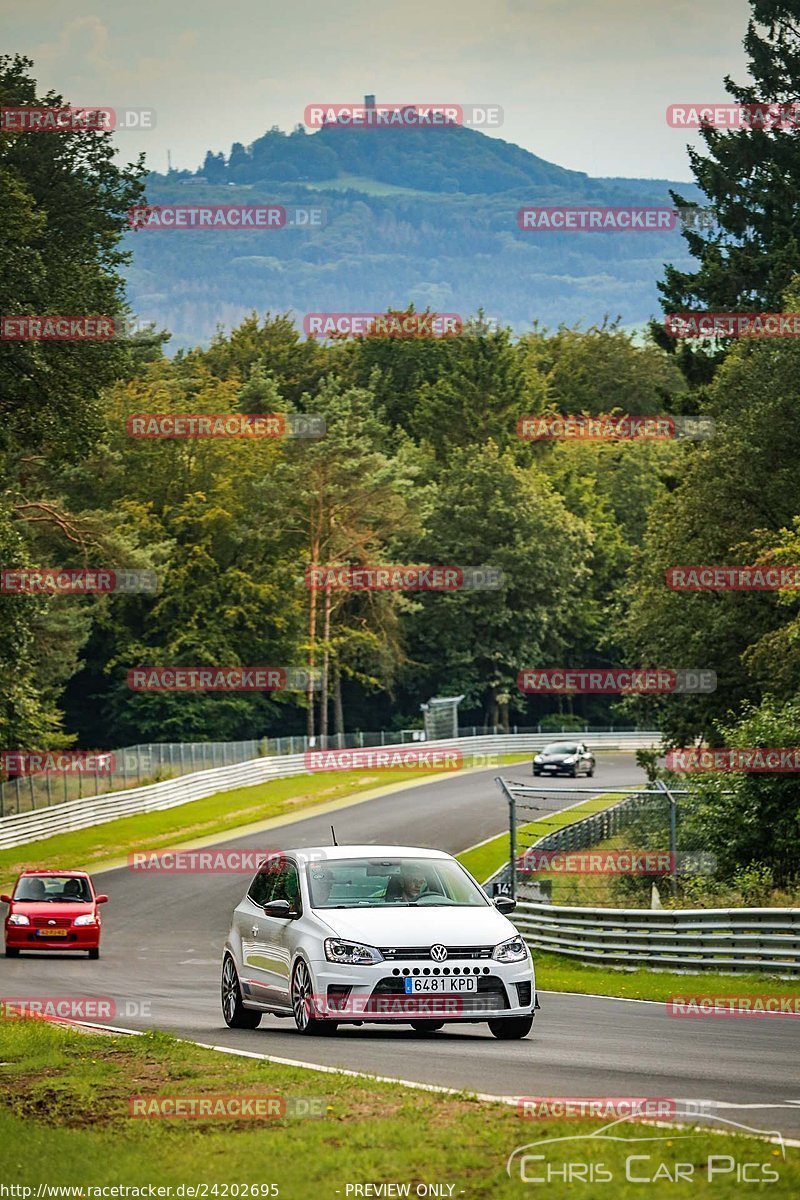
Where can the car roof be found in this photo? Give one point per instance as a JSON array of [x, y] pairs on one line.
[[315, 853], [49, 871]]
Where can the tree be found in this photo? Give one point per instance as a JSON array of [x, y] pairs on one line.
[[63, 205], [728, 506], [488, 511], [752, 178]]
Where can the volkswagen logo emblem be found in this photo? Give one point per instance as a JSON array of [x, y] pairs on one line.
[[438, 953]]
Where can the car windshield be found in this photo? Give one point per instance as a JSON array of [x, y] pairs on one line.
[[561, 748], [391, 882], [69, 889]]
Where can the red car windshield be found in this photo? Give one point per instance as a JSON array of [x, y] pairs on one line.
[[64, 889]]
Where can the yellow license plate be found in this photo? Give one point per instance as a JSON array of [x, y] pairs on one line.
[[53, 932]]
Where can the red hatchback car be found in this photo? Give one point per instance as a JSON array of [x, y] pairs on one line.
[[53, 910]]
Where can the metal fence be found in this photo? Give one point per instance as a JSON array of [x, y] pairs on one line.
[[635, 833], [734, 939], [20, 828], [154, 762]]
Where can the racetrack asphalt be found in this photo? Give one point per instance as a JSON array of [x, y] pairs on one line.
[[162, 940]]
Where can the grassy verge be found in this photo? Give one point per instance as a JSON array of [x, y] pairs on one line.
[[64, 1120], [223, 813], [557, 973]]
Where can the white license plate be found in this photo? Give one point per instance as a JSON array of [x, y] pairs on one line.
[[448, 985]]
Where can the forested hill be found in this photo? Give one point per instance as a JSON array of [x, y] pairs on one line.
[[421, 216]]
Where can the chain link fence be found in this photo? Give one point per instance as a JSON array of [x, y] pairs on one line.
[[156, 761], [620, 849]]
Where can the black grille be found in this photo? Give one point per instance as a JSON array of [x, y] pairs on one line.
[[395, 953], [490, 994], [524, 993]]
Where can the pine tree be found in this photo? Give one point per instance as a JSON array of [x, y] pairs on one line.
[[752, 179]]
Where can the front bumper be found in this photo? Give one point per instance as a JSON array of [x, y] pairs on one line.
[[378, 992], [22, 937]]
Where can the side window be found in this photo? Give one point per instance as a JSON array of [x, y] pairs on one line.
[[286, 886], [262, 886]]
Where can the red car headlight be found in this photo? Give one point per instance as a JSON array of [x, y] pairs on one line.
[[18, 919]]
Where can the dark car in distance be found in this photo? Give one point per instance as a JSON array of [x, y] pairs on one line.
[[564, 758]]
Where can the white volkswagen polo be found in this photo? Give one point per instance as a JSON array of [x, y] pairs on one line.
[[349, 934]]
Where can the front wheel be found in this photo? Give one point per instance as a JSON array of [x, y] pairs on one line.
[[590, 773], [302, 1003], [235, 1014], [573, 773], [12, 951], [507, 1028], [427, 1026], [94, 952]]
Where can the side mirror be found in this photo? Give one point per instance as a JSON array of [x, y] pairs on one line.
[[101, 899], [4, 899], [504, 904], [278, 908]]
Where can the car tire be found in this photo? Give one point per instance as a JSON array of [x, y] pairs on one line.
[[506, 1028], [537, 773], [302, 989], [590, 773], [12, 951], [94, 952], [234, 1012], [426, 1026], [573, 774]]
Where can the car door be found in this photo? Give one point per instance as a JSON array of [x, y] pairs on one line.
[[256, 981], [278, 933]]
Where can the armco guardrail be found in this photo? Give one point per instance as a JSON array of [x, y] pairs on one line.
[[21, 828], [727, 939]]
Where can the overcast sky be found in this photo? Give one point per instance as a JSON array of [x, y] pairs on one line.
[[584, 83]]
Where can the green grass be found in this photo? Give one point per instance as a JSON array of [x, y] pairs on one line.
[[64, 1105], [559, 973], [223, 813]]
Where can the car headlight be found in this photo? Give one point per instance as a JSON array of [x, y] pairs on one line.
[[18, 919], [571, 759], [537, 758], [85, 919], [514, 950], [340, 951]]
